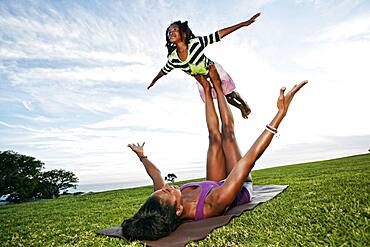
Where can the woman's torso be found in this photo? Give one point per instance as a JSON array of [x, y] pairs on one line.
[[200, 191]]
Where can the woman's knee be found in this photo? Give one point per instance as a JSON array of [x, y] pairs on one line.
[[215, 138], [228, 133]]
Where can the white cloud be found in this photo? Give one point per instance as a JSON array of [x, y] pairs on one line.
[[18, 126], [358, 28], [336, 59], [27, 104], [36, 119], [97, 75], [49, 33], [342, 50]]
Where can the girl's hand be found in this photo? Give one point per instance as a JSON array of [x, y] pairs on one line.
[[251, 20], [283, 101], [151, 85], [137, 148]]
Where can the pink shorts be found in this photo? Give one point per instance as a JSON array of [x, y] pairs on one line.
[[227, 83]]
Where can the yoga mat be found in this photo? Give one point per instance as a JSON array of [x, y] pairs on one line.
[[197, 230]]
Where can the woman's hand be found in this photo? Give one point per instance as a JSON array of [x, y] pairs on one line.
[[203, 81], [283, 101], [137, 148], [153, 172], [251, 20]]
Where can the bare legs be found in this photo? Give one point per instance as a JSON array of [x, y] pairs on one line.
[[223, 151], [215, 156], [229, 144], [226, 193]]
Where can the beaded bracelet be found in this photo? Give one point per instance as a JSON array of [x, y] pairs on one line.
[[271, 129]]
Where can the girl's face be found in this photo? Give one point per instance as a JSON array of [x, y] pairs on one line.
[[173, 34]]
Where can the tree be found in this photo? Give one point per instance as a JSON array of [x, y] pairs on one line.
[[21, 177], [170, 177], [18, 175], [54, 181]]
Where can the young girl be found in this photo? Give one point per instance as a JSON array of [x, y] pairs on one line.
[[186, 52]]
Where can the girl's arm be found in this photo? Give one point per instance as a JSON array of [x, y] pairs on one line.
[[158, 76], [223, 32], [223, 196], [153, 172]]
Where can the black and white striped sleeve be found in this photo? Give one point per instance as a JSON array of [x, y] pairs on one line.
[[210, 39], [167, 68]]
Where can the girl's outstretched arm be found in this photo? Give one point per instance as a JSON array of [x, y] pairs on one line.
[[156, 78], [153, 172], [225, 194], [223, 32]]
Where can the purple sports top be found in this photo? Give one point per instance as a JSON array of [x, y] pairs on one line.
[[242, 197]]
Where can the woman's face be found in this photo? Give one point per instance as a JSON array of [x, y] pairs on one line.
[[169, 195], [173, 34]]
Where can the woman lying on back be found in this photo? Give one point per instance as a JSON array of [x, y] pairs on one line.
[[227, 181]]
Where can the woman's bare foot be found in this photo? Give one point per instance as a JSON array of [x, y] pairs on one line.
[[203, 81]]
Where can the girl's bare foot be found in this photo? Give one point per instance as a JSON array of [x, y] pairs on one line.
[[244, 112], [236, 100], [241, 100], [247, 109]]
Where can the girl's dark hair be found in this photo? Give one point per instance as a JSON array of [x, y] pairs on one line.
[[184, 29], [151, 222]]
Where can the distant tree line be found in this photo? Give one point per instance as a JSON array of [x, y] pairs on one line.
[[22, 179]]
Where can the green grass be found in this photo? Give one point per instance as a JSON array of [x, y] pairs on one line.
[[327, 204]]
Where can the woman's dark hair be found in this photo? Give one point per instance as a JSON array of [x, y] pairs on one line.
[[184, 29], [151, 222]]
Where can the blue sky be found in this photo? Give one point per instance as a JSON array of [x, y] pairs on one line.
[[73, 77]]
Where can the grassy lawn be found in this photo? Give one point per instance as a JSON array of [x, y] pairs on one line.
[[327, 204]]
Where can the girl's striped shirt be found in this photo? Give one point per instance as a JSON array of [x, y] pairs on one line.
[[196, 62]]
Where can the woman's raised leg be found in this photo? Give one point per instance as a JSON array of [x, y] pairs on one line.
[[229, 144], [216, 169], [226, 193]]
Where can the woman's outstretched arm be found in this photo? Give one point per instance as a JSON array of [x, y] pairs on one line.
[[153, 172], [225, 194], [223, 32]]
